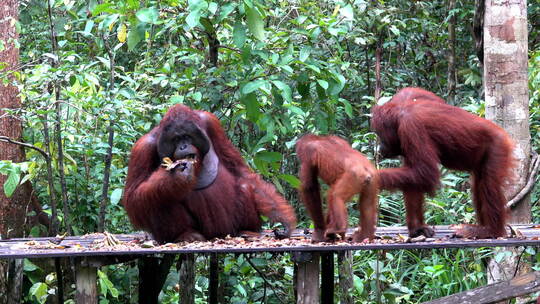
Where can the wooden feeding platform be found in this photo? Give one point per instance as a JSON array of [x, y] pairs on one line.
[[95, 250]]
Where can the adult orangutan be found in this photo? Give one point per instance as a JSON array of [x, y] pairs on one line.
[[426, 131], [347, 172], [187, 182]]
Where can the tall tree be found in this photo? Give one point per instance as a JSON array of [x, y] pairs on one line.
[[451, 75], [12, 209], [507, 100]]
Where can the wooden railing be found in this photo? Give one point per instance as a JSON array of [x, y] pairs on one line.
[[312, 259]]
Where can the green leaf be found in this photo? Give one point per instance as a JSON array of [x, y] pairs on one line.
[[196, 8], [348, 107], [304, 53], [88, 28], [358, 284], [242, 290], [12, 182], [176, 99], [103, 8], [116, 195], [347, 12], [269, 157], [207, 24], [323, 83], [252, 86], [225, 10], [252, 106], [148, 15], [255, 23], [296, 110], [239, 34], [290, 179], [29, 266], [39, 291], [285, 90], [135, 35]]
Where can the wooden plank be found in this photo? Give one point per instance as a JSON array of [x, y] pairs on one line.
[[85, 246], [86, 282], [327, 277], [307, 277], [186, 282], [345, 261], [518, 286]]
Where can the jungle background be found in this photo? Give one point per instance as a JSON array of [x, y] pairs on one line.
[[94, 76]]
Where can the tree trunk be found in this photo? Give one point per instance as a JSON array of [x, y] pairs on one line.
[[507, 100], [13, 209], [451, 77]]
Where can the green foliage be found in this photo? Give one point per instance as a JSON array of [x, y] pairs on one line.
[[14, 172]]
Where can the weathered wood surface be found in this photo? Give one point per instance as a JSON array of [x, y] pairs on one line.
[[518, 286], [186, 279], [89, 245], [86, 281], [307, 278]]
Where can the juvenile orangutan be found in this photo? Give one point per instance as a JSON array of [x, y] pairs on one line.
[[347, 172]]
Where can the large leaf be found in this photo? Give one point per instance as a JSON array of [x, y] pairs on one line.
[[116, 195], [291, 180], [148, 15], [255, 23], [12, 182], [196, 9], [39, 291], [269, 157], [252, 106], [239, 34], [136, 34], [253, 86], [304, 53], [285, 90]]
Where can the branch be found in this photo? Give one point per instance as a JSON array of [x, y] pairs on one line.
[[12, 141], [534, 168], [221, 46], [264, 278]]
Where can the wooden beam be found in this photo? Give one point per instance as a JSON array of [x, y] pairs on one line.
[[518, 286], [86, 281], [327, 277], [307, 277], [186, 279]]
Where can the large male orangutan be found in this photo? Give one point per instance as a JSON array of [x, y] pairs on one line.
[[187, 182], [426, 131], [347, 172]]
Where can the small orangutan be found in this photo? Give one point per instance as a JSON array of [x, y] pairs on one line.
[[187, 182], [426, 131], [347, 172]]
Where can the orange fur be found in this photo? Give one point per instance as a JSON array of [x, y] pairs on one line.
[[347, 172], [421, 127]]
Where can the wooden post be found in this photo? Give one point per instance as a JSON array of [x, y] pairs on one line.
[[86, 280], [214, 279], [327, 277], [345, 261], [153, 272], [186, 279], [307, 277]]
